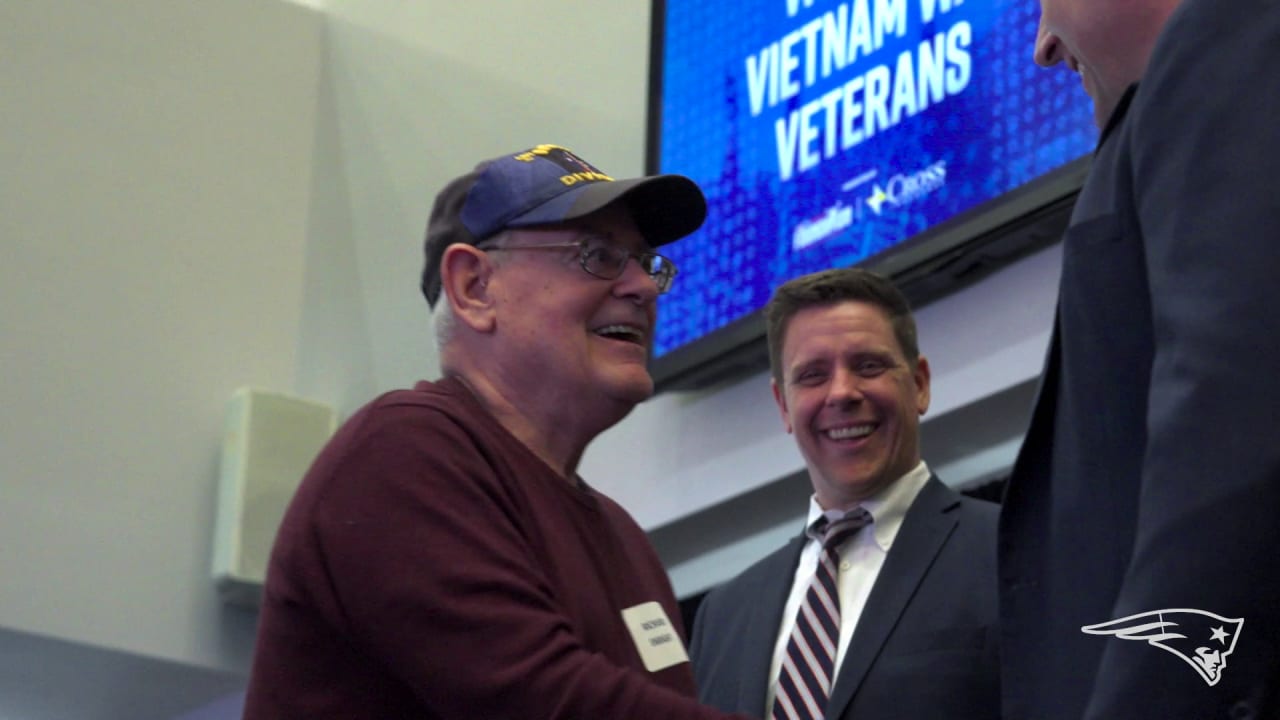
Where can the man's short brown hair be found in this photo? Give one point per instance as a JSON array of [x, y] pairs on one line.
[[828, 288]]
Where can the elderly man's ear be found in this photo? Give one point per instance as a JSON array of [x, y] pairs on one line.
[[464, 282]]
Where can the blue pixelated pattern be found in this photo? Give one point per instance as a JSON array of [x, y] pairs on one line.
[[1012, 123]]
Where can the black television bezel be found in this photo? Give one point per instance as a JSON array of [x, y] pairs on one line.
[[926, 267]]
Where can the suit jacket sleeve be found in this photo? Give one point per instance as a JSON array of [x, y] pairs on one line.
[[1206, 151], [730, 655]]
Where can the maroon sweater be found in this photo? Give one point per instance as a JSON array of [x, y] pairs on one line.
[[431, 566]]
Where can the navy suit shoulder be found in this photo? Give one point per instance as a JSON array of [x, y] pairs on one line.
[[924, 647]]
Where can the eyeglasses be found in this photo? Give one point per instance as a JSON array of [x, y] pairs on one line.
[[607, 261]]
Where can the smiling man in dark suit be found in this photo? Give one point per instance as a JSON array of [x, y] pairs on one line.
[[886, 606], [1138, 572]]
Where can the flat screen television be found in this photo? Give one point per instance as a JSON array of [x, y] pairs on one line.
[[912, 137]]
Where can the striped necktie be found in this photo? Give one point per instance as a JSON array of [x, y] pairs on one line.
[[804, 683]]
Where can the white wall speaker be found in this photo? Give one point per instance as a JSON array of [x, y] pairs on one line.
[[271, 440]]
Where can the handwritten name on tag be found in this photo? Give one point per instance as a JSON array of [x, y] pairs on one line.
[[655, 637]]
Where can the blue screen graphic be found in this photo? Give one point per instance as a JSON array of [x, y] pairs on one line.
[[825, 133]]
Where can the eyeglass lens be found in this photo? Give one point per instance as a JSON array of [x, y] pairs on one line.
[[609, 262]]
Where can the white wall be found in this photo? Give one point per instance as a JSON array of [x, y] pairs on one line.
[[198, 196], [155, 159]]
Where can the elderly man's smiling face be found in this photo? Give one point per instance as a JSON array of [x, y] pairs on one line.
[[579, 336]]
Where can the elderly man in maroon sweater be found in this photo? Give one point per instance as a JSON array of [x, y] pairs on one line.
[[442, 558]]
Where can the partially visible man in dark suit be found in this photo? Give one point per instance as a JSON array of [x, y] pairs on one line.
[[1141, 524], [913, 590]]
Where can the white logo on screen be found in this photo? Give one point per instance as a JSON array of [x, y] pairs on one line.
[[832, 220], [903, 189]]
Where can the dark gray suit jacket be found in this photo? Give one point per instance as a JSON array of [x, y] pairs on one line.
[[1150, 477], [925, 647]]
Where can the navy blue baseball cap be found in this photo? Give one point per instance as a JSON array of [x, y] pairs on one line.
[[545, 185]]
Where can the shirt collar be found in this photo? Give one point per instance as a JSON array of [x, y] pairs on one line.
[[1121, 109], [887, 507]]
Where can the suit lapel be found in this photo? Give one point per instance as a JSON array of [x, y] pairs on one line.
[[767, 601], [924, 531]]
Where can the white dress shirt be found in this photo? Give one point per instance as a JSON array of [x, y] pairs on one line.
[[861, 558]]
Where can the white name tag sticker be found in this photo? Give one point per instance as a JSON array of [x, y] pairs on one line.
[[656, 638]]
